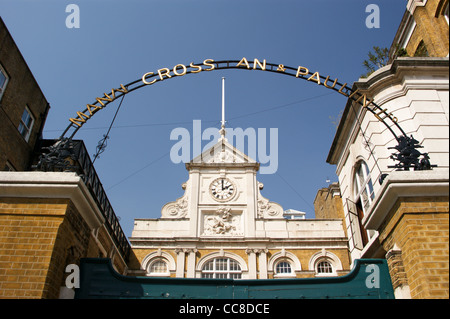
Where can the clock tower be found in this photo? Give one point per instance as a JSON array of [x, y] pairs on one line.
[[222, 196]]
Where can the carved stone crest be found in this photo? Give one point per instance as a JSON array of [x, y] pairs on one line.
[[223, 222]]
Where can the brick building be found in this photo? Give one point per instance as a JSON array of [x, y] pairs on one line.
[[23, 107], [423, 30], [48, 220]]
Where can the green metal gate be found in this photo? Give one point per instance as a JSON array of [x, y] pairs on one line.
[[369, 279]]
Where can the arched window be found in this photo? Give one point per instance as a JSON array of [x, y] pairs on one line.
[[324, 267], [283, 268], [325, 264], [158, 268], [284, 264], [159, 264], [222, 268]]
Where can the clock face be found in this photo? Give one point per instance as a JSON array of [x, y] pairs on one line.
[[222, 189]]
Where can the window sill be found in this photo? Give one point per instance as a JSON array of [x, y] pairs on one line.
[[326, 275], [283, 276]]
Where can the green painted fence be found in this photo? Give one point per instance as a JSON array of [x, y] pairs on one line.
[[369, 279]]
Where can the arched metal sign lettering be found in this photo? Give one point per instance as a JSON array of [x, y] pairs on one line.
[[300, 72], [407, 149]]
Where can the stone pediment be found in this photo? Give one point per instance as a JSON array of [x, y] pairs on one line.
[[222, 153]]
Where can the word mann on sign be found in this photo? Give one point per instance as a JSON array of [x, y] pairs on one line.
[[162, 74]]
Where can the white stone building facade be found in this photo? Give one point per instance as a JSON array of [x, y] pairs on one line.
[[415, 91], [222, 223]]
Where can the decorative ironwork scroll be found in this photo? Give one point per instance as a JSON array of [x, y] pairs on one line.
[[60, 157]]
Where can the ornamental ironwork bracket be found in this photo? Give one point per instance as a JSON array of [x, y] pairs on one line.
[[59, 157], [408, 156]]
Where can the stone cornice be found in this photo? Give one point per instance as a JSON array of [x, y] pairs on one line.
[[405, 184], [54, 186]]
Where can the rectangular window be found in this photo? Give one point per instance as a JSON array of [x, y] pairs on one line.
[[3, 81], [26, 124]]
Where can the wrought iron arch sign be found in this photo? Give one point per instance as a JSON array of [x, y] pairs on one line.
[[407, 153], [163, 74]]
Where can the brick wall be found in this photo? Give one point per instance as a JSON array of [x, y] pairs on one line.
[[419, 229], [431, 29], [38, 239], [28, 231], [328, 205]]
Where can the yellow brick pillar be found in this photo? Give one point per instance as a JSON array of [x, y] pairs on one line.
[[411, 215], [47, 221]]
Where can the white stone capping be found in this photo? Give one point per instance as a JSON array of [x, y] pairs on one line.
[[405, 184], [54, 185]]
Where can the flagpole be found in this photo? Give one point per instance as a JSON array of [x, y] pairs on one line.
[[222, 130], [223, 102]]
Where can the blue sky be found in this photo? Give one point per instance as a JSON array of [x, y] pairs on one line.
[[119, 41]]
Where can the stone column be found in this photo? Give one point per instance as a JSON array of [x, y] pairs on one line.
[[263, 263], [193, 203], [191, 262], [251, 214], [181, 256], [252, 271]]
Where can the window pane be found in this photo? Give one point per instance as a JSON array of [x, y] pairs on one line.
[[28, 121], [235, 276], [324, 267], [222, 268], [365, 199], [2, 79], [22, 129], [25, 124], [363, 186], [234, 265], [209, 265], [221, 264], [283, 268], [360, 175], [159, 267], [25, 116], [366, 169], [370, 189]]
